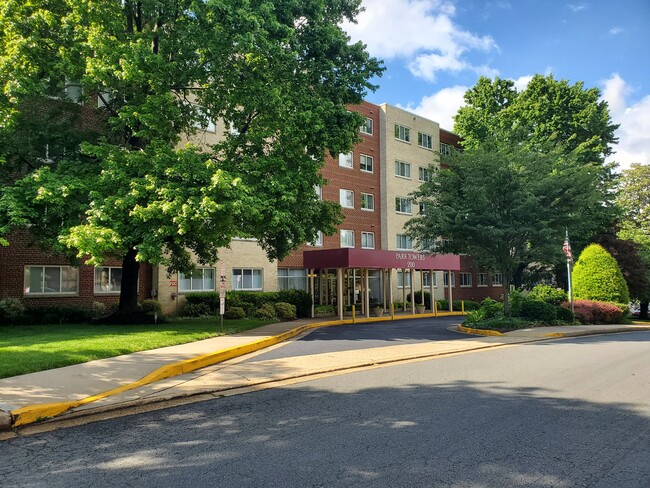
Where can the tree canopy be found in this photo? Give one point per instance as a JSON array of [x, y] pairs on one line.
[[549, 113], [276, 77], [502, 205]]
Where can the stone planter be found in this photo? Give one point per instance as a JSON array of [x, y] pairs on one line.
[[420, 309], [377, 312]]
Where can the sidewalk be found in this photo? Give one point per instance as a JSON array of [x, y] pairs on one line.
[[212, 365]]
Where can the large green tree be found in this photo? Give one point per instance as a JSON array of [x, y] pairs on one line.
[[276, 76], [634, 199], [548, 112], [502, 205]]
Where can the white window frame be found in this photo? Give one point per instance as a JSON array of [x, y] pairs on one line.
[[370, 200], [424, 175], [402, 169], [445, 149], [43, 270], [421, 138], [465, 280], [403, 133], [404, 205], [346, 198], [426, 280], [108, 288], [481, 279], [239, 284], [346, 160], [403, 242], [319, 191], [210, 125], [289, 276], [367, 126], [497, 279], [366, 161], [318, 242], [400, 279], [347, 235], [364, 237], [204, 288], [445, 279]]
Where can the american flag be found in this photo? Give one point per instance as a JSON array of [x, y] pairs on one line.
[[567, 249]]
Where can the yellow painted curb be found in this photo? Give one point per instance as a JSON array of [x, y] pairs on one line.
[[483, 332], [34, 413]]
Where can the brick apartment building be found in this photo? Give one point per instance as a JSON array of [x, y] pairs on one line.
[[369, 259]]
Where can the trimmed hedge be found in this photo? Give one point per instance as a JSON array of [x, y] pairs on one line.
[[548, 294], [596, 276], [251, 301], [595, 312]]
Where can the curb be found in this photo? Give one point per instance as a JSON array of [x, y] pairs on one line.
[[30, 414], [483, 332]]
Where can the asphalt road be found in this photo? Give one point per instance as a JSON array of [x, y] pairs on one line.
[[568, 413], [367, 335]]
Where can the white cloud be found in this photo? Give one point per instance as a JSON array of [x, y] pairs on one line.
[[421, 31], [522, 82], [577, 7], [442, 105], [634, 120], [615, 30]]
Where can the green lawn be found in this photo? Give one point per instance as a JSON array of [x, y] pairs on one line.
[[30, 348]]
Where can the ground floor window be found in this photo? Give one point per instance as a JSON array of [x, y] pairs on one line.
[[295, 279], [497, 279], [466, 279], [403, 279], [108, 279], [446, 279], [247, 279], [481, 279], [426, 279], [51, 279], [201, 279]]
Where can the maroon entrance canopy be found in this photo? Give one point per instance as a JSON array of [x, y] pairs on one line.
[[372, 258]]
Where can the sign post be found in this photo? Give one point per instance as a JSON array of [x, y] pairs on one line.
[[222, 293]]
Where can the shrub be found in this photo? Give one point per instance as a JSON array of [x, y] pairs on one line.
[[418, 298], [565, 314], [538, 311], [234, 313], [501, 323], [470, 305], [11, 310], [548, 294], [596, 276], [196, 310], [324, 309], [151, 307], [266, 311], [205, 299], [400, 305], [70, 314], [594, 312], [285, 311], [299, 298], [99, 309]]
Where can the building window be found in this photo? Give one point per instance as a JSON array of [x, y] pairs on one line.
[[402, 169], [347, 238], [400, 279], [345, 160], [403, 205], [445, 149], [247, 279], [426, 279], [319, 191], [366, 127], [425, 140], [201, 279], [203, 121], [446, 279], [426, 244], [346, 198], [51, 279], [424, 174], [466, 279], [402, 133], [481, 279], [497, 279], [365, 163], [319, 239], [292, 279], [367, 201], [108, 279], [404, 242], [368, 240], [422, 208]]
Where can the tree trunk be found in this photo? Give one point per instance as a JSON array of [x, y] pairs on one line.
[[518, 277], [129, 290], [506, 295], [643, 310]]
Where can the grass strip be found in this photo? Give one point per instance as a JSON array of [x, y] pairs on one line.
[[30, 348]]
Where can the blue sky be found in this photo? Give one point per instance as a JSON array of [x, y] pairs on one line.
[[434, 50]]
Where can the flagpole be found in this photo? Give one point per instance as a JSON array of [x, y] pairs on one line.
[[569, 261]]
